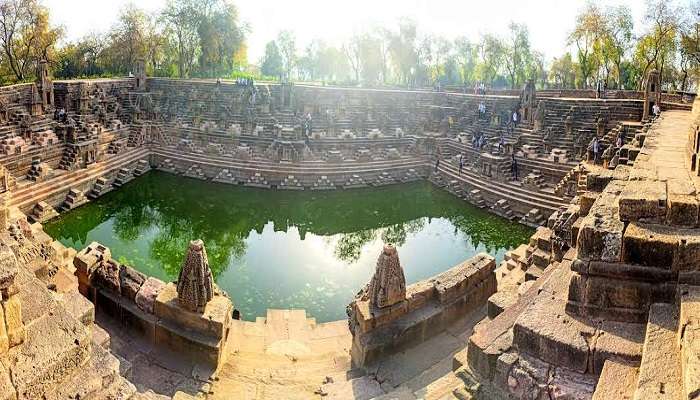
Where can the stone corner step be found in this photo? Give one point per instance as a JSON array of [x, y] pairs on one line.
[[617, 381], [660, 370]]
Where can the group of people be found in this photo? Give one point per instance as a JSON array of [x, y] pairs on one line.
[[601, 87], [60, 115], [245, 82], [479, 88], [482, 110]]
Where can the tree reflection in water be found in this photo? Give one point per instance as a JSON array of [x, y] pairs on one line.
[[149, 222]]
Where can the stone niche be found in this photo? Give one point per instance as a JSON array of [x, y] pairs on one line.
[[155, 309], [384, 320]]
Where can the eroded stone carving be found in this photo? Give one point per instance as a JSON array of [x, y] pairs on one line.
[[388, 285], [195, 286]]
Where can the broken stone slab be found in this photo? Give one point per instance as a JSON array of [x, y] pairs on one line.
[[147, 294], [546, 331], [643, 201], [106, 276], [130, 281], [683, 209], [600, 233], [675, 249]]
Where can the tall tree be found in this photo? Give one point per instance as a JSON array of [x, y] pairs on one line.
[[182, 21], [271, 64], [466, 54], [25, 35], [517, 54], [587, 33], [657, 46], [286, 43]]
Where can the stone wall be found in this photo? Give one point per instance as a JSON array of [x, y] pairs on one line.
[[149, 306], [430, 306]]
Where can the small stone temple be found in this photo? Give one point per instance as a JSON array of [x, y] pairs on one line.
[[600, 303], [195, 286]]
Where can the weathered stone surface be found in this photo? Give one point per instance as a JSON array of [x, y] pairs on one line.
[[195, 285], [689, 339], [388, 285], [661, 246], [16, 333], [683, 209], [645, 201], [500, 300], [106, 276], [147, 294], [79, 307], [544, 330], [660, 370], [56, 346], [600, 233], [130, 281], [617, 381]]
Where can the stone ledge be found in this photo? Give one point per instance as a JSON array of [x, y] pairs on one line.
[[430, 307]]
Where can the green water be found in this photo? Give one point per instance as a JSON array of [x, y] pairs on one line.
[[283, 249]]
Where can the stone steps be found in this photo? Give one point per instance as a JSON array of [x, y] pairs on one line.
[[660, 375], [27, 196], [504, 191]]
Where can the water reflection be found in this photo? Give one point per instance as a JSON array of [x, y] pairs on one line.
[[285, 249]]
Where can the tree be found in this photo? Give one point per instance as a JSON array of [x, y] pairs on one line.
[[127, 41], [271, 64], [658, 45], [352, 50], [492, 54], [25, 36], [587, 33], [466, 56], [617, 38], [182, 21], [563, 72], [403, 51], [220, 37], [286, 43], [517, 54]]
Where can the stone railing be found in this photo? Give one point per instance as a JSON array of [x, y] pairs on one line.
[[429, 307], [150, 306]]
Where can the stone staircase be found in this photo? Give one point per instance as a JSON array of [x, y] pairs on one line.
[[69, 160]]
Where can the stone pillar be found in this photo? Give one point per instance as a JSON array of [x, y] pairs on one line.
[[528, 101], [195, 285], [652, 93], [36, 106], [44, 83], [83, 101], [140, 74]]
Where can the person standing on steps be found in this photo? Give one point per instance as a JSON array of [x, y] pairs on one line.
[[514, 166], [461, 163], [437, 163], [596, 150]]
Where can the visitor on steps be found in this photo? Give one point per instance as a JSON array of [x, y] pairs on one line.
[[515, 119], [437, 163], [656, 111], [514, 166], [461, 163], [596, 150]]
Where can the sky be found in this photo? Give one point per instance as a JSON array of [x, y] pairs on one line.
[[549, 21]]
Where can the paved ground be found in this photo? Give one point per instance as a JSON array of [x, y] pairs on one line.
[[288, 356]]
